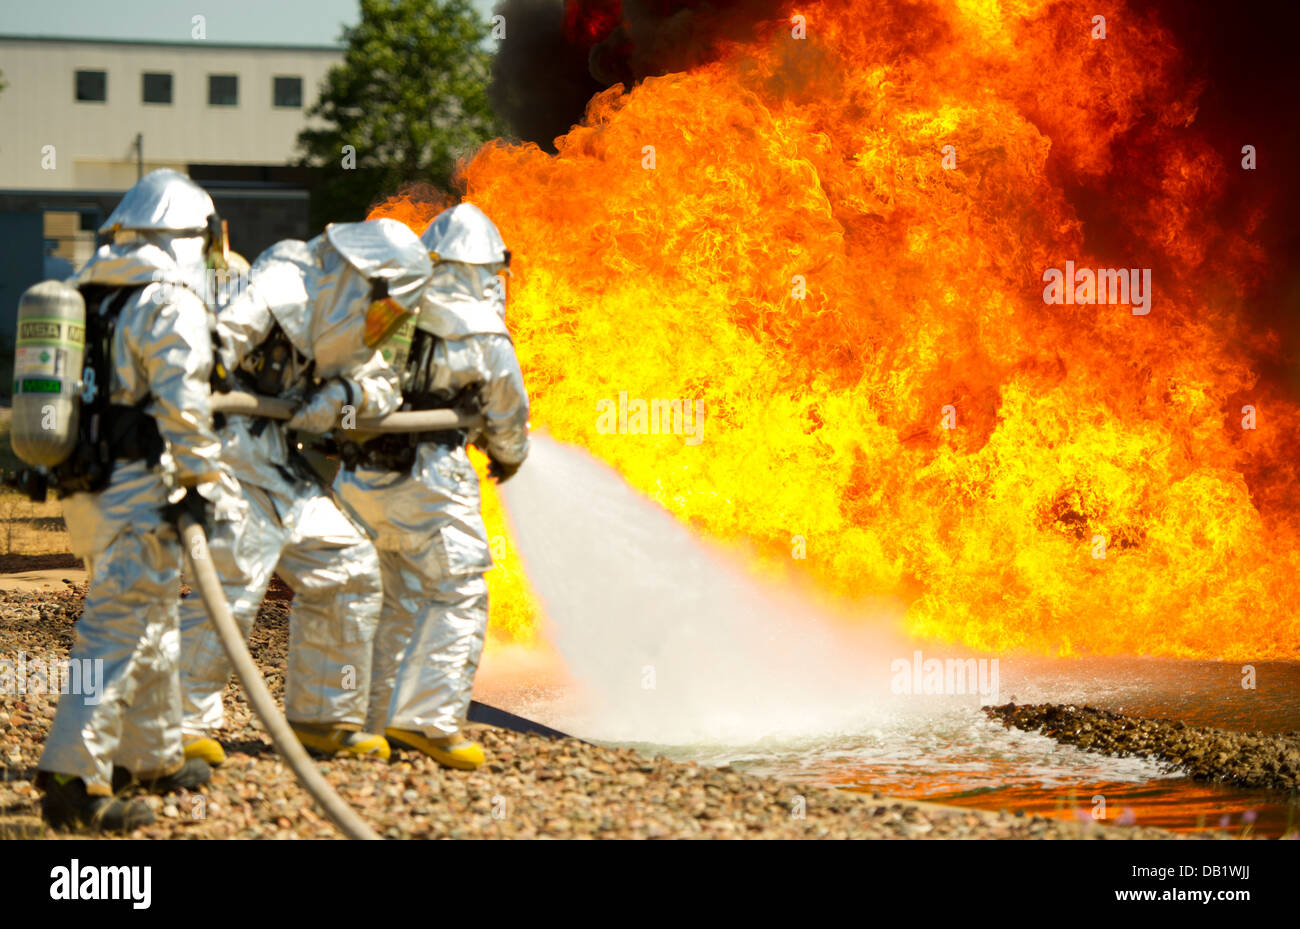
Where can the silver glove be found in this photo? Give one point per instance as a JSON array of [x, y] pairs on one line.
[[321, 411]]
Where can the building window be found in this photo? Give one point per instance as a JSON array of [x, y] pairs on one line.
[[223, 90], [288, 92], [92, 86], [157, 88]]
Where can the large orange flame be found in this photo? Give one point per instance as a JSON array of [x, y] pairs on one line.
[[777, 234]]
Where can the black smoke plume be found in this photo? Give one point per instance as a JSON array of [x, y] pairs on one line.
[[557, 55], [540, 79]]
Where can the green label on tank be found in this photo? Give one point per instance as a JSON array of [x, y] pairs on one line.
[[37, 385], [398, 346]]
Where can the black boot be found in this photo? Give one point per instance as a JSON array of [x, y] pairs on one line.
[[192, 775], [66, 805]]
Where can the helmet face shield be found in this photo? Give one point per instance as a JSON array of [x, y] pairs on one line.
[[384, 316], [367, 280]]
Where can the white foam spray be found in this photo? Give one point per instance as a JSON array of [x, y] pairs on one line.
[[670, 641]]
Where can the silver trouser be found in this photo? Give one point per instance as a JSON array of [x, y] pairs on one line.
[[428, 646], [334, 573], [128, 641], [434, 550]]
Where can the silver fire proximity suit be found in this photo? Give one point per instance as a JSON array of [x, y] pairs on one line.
[[161, 356], [423, 506], [306, 328]]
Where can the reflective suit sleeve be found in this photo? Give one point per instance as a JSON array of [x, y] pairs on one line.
[[171, 343], [276, 279], [242, 325], [504, 402], [376, 388]]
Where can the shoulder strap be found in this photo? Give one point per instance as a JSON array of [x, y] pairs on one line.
[[99, 338], [417, 379], [95, 294]]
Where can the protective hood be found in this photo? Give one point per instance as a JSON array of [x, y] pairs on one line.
[[464, 233], [163, 200], [464, 300], [384, 249], [152, 257], [319, 291], [468, 293]]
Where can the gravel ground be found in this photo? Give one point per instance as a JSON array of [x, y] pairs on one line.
[[1206, 754], [530, 788]]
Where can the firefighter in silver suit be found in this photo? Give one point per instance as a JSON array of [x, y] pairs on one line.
[[307, 327], [419, 494], [149, 361]]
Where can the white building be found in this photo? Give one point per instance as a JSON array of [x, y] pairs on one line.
[[80, 119], [73, 109]]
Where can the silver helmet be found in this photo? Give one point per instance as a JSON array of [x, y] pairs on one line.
[[162, 201], [467, 294], [464, 233]]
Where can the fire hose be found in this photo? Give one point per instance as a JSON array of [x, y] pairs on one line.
[[286, 743], [413, 421], [208, 585]]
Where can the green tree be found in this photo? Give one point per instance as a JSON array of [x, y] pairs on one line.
[[408, 101]]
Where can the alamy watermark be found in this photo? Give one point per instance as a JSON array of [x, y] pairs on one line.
[[29, 675], [75, 881], [1116, 287], [945, 676], [651, 417], [219, 287]]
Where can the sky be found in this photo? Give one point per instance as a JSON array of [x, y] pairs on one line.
[[269, 22]]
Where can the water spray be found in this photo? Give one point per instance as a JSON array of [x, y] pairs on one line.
[[670, 639]]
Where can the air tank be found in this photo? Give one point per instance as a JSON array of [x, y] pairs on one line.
[[47, 373]]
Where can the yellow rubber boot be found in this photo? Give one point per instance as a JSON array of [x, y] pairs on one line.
[[205, 749], [331, 740], [450, 751]]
